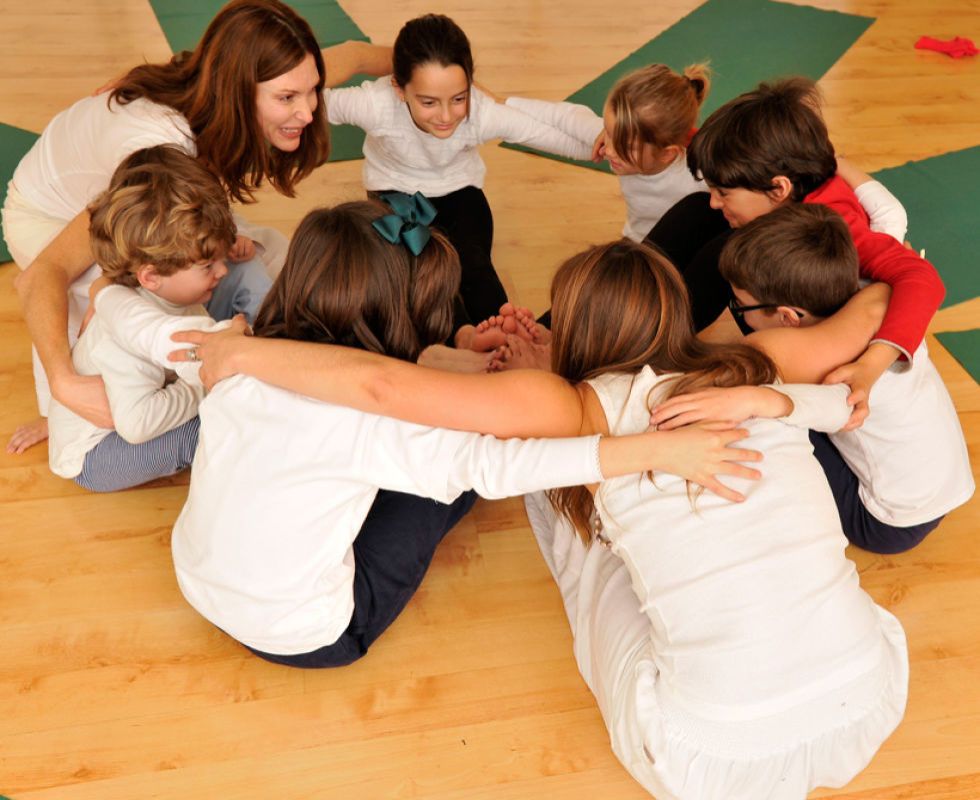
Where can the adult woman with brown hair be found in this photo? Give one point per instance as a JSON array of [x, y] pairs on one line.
[[245, 101], [730, 647]]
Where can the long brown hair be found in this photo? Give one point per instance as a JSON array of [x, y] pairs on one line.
[[622, 306], [214, 87], [343, 283]]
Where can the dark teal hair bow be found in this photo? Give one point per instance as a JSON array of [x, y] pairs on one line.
[[410, 222]]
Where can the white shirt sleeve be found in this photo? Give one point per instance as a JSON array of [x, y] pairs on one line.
[[578, 121], [351, 106], [143, 329], [441, 464], [886, 214], [498, 121], [142, 406], [820, 408]]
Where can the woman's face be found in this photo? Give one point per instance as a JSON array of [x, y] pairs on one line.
[[285, 104]]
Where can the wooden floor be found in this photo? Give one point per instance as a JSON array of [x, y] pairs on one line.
[[112, 688]]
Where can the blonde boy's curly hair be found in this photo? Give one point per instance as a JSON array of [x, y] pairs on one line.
[[162, 208]]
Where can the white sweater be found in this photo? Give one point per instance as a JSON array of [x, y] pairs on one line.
[[647, 197], [145, 395], [400, 156], [281, 485]]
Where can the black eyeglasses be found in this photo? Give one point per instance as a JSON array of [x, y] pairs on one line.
[[740, 311]]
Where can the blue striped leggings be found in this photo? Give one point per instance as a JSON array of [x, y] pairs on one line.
[[115, 464]]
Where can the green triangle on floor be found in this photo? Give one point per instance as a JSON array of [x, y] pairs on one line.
[[938, 194], [964, 346], [14, 144], [745, 41]]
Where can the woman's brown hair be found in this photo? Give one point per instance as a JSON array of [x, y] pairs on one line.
[[214, 88], [656, 106], [619, 307], [162, 208], [343, 283]]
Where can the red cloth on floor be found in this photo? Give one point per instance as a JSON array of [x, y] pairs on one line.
[[954, 48]]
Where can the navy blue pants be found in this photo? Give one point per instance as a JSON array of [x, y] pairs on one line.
[[392, 553], [860, 527]]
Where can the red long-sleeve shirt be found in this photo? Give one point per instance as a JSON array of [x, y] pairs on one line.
[[917, 289]]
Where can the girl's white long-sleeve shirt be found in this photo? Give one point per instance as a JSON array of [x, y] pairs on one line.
[[146, 396], [648, 197], [282, 483], [399, 155]]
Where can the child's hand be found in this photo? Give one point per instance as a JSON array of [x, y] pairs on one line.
[[860, 376], [215, 351], [700, 453], [242, 250], [599, 147], [733, 406]]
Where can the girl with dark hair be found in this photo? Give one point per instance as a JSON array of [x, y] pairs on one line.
[[245, 101], [424, 124], [296, 538], [730, 647]]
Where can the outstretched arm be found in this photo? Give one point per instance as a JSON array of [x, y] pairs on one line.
[[43, 292], [345, 60]]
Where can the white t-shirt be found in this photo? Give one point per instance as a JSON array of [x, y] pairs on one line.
[[909, 456], [146, 396], [281, 485], [400, 156], [81, 147], [648, 197]]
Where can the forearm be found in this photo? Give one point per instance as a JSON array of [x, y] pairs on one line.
[[43, 295], [347, 59]]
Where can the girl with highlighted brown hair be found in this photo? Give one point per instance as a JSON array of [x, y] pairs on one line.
[[646, 124], [302, 536], [245, 101], [730, 647]]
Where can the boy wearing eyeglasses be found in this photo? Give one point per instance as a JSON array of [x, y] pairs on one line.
[[895, 477]]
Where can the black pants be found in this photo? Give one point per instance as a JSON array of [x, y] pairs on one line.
[[692, 234], [860, 527], [391, 555], [465, 217]]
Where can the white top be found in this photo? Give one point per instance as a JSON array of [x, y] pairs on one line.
[[81, 147], [648, 197], [909, 456], [145, 395], [885, 213], [400, 156], [753, 607], [281, 485]]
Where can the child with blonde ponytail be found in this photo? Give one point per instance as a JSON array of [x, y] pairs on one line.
[[646, 124]]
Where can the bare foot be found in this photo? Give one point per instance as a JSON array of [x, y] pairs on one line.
[[493, 331], [28, 435], [521, 354], [452, 359]]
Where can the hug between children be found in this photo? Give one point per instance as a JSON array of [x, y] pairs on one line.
[[716, 617]]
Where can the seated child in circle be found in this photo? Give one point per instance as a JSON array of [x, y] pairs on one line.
[[646, 124], [770, 147], [161, 231], [896, 476], [424, 125]]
